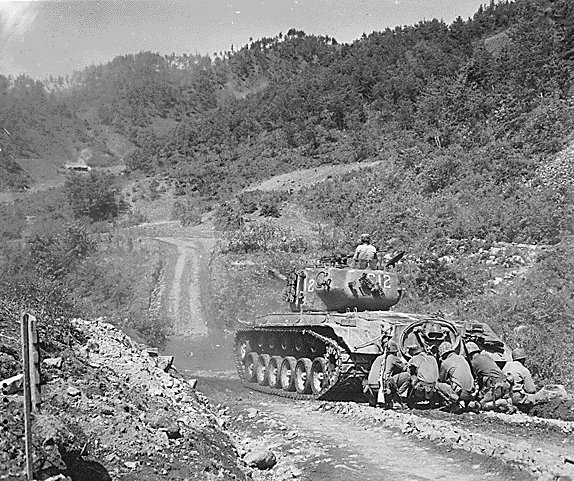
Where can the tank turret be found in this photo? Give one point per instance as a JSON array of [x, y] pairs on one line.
[[317, 289]]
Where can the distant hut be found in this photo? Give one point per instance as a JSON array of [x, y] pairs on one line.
[[80, 165]]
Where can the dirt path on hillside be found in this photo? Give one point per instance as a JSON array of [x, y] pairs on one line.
[[300, 179], [183, 299]]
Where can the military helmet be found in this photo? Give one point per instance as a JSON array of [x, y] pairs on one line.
[[392, 347], [445, 348], [414, 350], [471, 347], [518, 354]]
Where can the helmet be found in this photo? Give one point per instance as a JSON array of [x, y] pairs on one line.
[[365, 237], [392, 347], [445, 348], [415, 350], [518, 354], [471, 347]]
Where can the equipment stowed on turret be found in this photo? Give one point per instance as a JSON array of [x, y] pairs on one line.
[[338, 325]]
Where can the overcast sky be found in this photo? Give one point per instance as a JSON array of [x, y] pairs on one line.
[[39, 38]]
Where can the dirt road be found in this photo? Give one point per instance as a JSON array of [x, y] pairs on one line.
[[183, 299], [320, 441]]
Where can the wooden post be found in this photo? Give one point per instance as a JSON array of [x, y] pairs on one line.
[[27, 395], [34, 364]]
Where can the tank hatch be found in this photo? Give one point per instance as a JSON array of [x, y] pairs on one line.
[[316, 289]]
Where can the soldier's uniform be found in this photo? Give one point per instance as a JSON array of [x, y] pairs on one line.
[[365, 253], [394, 373], [455, 378], [492, 383], [524, 394], [424, 376]]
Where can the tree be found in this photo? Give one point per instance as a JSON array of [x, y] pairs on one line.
[[94, 196]]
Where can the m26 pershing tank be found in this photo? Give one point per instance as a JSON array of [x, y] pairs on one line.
[[338, 327]]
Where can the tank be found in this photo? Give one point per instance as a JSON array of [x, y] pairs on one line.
[[339, 323]]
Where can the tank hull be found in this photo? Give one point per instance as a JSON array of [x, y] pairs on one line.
[[329, 355]]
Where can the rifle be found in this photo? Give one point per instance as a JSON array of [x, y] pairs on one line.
[[381, 398]]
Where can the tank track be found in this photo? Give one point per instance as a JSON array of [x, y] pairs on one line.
[[344, 381]]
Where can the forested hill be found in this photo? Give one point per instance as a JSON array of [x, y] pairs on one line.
[[460, 112]]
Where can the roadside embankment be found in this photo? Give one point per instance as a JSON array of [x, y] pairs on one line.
[[113, 410]]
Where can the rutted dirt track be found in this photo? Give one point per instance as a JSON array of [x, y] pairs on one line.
[[336, 441], [184, 297]]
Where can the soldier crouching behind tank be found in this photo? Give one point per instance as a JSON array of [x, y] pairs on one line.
[[524, 394], [424, 375], [456, 384], [494, 390], [388, 378], [395, 378]]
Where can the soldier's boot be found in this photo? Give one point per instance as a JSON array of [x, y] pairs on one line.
[[473, 406], [501, 405]]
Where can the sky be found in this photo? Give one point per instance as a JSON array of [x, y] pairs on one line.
[[42, 38]]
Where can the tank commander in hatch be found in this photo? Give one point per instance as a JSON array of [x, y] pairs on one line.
[[365, 254]]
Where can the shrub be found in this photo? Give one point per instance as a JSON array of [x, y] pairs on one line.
[[263, 237], [94, 196], [57, 253], [229, 216], [269, 210], [187, 211], [437, 280]]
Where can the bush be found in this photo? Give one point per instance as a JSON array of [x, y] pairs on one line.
[[57, 253], [263, 237], [542, 301], [187, 211], [437, 280], [229, 216], [94, 196], [269, 210]]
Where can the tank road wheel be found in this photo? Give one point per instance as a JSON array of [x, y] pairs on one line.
[[261, 371], [251, 366], [287, 373], [319, 375], [303, 376], [244, 347], [273, 370]]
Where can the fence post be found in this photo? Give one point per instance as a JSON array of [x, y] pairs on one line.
[[34, 364], [25, 330]]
